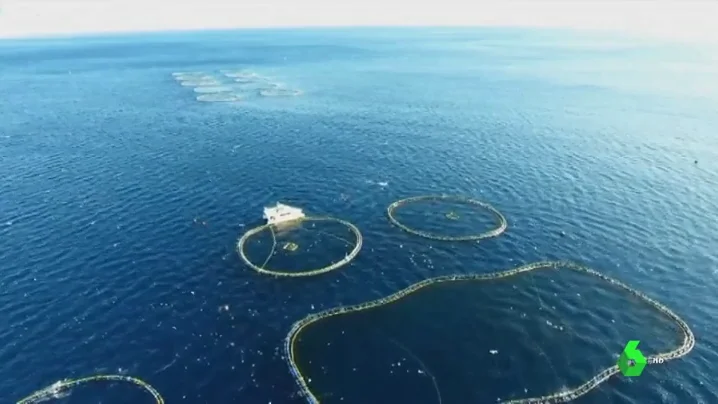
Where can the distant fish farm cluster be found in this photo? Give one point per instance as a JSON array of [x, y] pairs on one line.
[[232, 85]]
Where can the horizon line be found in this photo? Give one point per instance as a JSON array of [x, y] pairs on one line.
[[688, 20], [43, 36]]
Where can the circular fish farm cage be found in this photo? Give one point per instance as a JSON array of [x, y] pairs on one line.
[[293, 246], [500, 220], [62, 387]]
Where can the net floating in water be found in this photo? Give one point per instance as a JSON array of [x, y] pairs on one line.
[[212, 89], [193, 76], [219, 97], [201, 83], [187, 74], [246, 77], [239, 73], [279, 92]]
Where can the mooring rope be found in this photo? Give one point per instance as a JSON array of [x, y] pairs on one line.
[[274, 247], [421, 363]]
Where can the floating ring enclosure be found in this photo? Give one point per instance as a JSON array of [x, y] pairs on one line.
[[284, 218], [564, 395], [65, 385], [451, 215]]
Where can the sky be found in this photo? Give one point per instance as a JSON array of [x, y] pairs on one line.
[[693, 20]]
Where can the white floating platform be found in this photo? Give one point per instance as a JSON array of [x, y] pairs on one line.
[[281, 213]]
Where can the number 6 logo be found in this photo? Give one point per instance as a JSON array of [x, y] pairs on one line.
[[632, 361]]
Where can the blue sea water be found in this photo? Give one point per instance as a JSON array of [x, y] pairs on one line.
[[105, 160]]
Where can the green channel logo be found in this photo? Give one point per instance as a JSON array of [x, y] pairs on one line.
[[632, 362]]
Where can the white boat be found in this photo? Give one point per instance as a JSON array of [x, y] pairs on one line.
[[282, 213]]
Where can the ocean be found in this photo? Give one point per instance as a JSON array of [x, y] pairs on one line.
[[122, 197]]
